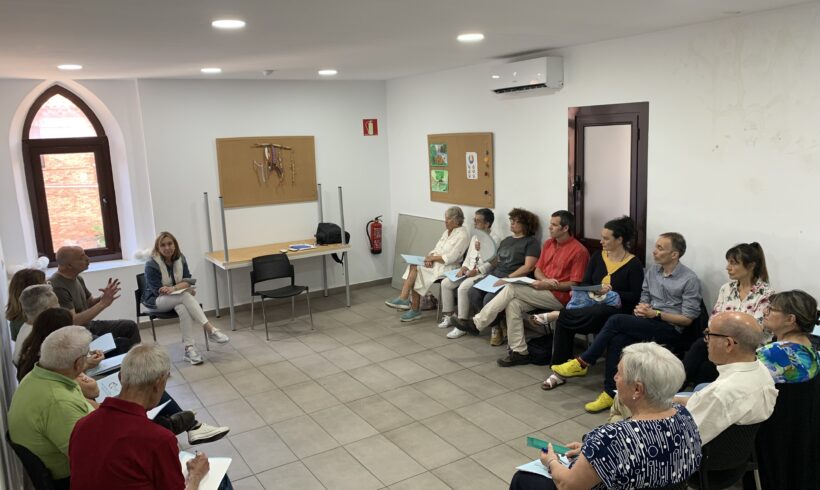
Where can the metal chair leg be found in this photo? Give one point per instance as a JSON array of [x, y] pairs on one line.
[[252, 298], [292, 308], [207, 345], [310, 312], [265, 317], [153, 330]]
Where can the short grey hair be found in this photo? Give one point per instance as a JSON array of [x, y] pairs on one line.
[[660, 372], [64, 346], [456, 213], [36, 299], [144, 364]]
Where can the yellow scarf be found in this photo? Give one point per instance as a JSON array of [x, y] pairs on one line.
[[612, 266]]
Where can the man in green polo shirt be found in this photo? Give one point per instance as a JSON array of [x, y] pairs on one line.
[[49, 402]]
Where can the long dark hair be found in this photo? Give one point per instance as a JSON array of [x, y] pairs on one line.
[[48, 321], [20, 281], [747, 254]]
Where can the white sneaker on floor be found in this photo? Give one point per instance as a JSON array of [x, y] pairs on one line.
[[445, 322], [206, 433], [456, 333], [217, 336], [192, 355]]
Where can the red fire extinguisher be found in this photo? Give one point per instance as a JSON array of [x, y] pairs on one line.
[[373, 229]]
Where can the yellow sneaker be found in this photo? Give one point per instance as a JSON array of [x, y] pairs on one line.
[[569, 369], [603, 402]]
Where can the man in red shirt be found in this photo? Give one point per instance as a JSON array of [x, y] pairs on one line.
[[117, 446], [561, 265]]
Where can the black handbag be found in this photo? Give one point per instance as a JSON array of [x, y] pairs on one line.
[[329, 234]]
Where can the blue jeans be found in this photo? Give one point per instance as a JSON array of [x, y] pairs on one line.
[[623, 330]]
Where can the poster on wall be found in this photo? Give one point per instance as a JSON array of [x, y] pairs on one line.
[[439, 180], [438, 155], [472, 165]]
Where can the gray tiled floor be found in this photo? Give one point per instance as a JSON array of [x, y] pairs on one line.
[[365, 401]]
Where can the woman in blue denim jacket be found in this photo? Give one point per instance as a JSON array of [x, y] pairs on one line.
[[169, 286]]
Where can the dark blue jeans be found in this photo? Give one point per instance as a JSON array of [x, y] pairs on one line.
[[623, 330], [479, 299]]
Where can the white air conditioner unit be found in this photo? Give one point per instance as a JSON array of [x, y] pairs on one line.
[[545, 72]]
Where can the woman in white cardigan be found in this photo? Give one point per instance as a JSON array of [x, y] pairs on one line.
[[169, 286], [446, 255]]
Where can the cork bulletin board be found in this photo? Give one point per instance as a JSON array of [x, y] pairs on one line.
[[460, 168], [262, 170]]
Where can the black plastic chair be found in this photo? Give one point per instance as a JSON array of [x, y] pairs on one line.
[[36, 470], [268, 268], [726, 458], [153, 315]]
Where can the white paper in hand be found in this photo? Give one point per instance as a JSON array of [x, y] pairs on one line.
[[413, 259], [104, 343], [218, 469], [487, 284], [106, 366], [109, 386]]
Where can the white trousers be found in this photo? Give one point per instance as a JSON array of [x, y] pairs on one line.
[[449, 289], [189, 311]]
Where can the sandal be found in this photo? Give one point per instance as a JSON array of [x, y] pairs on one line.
[[553, 381]]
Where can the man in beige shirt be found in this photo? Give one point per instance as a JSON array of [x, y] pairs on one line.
[[743, 393]]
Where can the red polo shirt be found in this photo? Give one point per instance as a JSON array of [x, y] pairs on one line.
[[118, 446], [564, 262]]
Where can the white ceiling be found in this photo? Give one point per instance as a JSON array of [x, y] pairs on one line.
[[363, 39]]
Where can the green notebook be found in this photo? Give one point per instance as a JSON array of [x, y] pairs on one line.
[[539, 444]]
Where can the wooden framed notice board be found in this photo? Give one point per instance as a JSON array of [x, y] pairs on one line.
[[460, 168], [262, 170]]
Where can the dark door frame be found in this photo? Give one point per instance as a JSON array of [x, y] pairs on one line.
[[637, 115]]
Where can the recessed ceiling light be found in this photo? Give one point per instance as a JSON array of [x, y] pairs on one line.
[[211, 70], [329, 72], [495, 77], [228, 24], [69, 67], [472, 37]]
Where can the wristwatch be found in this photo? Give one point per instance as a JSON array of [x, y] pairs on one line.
[[658, 314]]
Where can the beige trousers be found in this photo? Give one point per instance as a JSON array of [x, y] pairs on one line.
[[516, 300]]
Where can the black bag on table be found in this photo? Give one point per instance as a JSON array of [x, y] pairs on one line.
[[329, 234]]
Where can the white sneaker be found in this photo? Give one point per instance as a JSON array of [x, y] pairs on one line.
[[217, 336], [445, 322], [456, 333], [206, 433], [192, 355]]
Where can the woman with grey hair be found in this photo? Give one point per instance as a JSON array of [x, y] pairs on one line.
[[33, 300], [445, 256], [659, 446]]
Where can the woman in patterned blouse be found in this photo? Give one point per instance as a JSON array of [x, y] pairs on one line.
[[748, 291], [791, 316], [659, 446]]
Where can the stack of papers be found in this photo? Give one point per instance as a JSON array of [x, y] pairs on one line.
[[106, 366], [488, 284], [217, 471], [519, 280]]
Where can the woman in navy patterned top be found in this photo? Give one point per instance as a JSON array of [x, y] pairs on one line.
[[659, 446]]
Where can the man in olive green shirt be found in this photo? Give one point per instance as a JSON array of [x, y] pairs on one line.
[[49, 402]]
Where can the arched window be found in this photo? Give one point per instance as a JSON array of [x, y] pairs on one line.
[[69, 178]]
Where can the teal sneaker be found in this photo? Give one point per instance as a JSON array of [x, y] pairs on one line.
[[398, 303], [411, 315]]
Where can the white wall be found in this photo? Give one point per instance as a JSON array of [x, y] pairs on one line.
[[182, 118], [734, 146]]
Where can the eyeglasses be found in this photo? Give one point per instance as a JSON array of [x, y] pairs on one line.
[[707, 334], [769, 309]]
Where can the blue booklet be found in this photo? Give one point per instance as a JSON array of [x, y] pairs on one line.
[[487, 284], [451, 275], [413, 259]]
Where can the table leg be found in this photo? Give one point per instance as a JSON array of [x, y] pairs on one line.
[[216, 291], [345, 258], [230, 299], [324, 273]]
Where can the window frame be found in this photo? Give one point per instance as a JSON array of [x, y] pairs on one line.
[[33, 149]]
